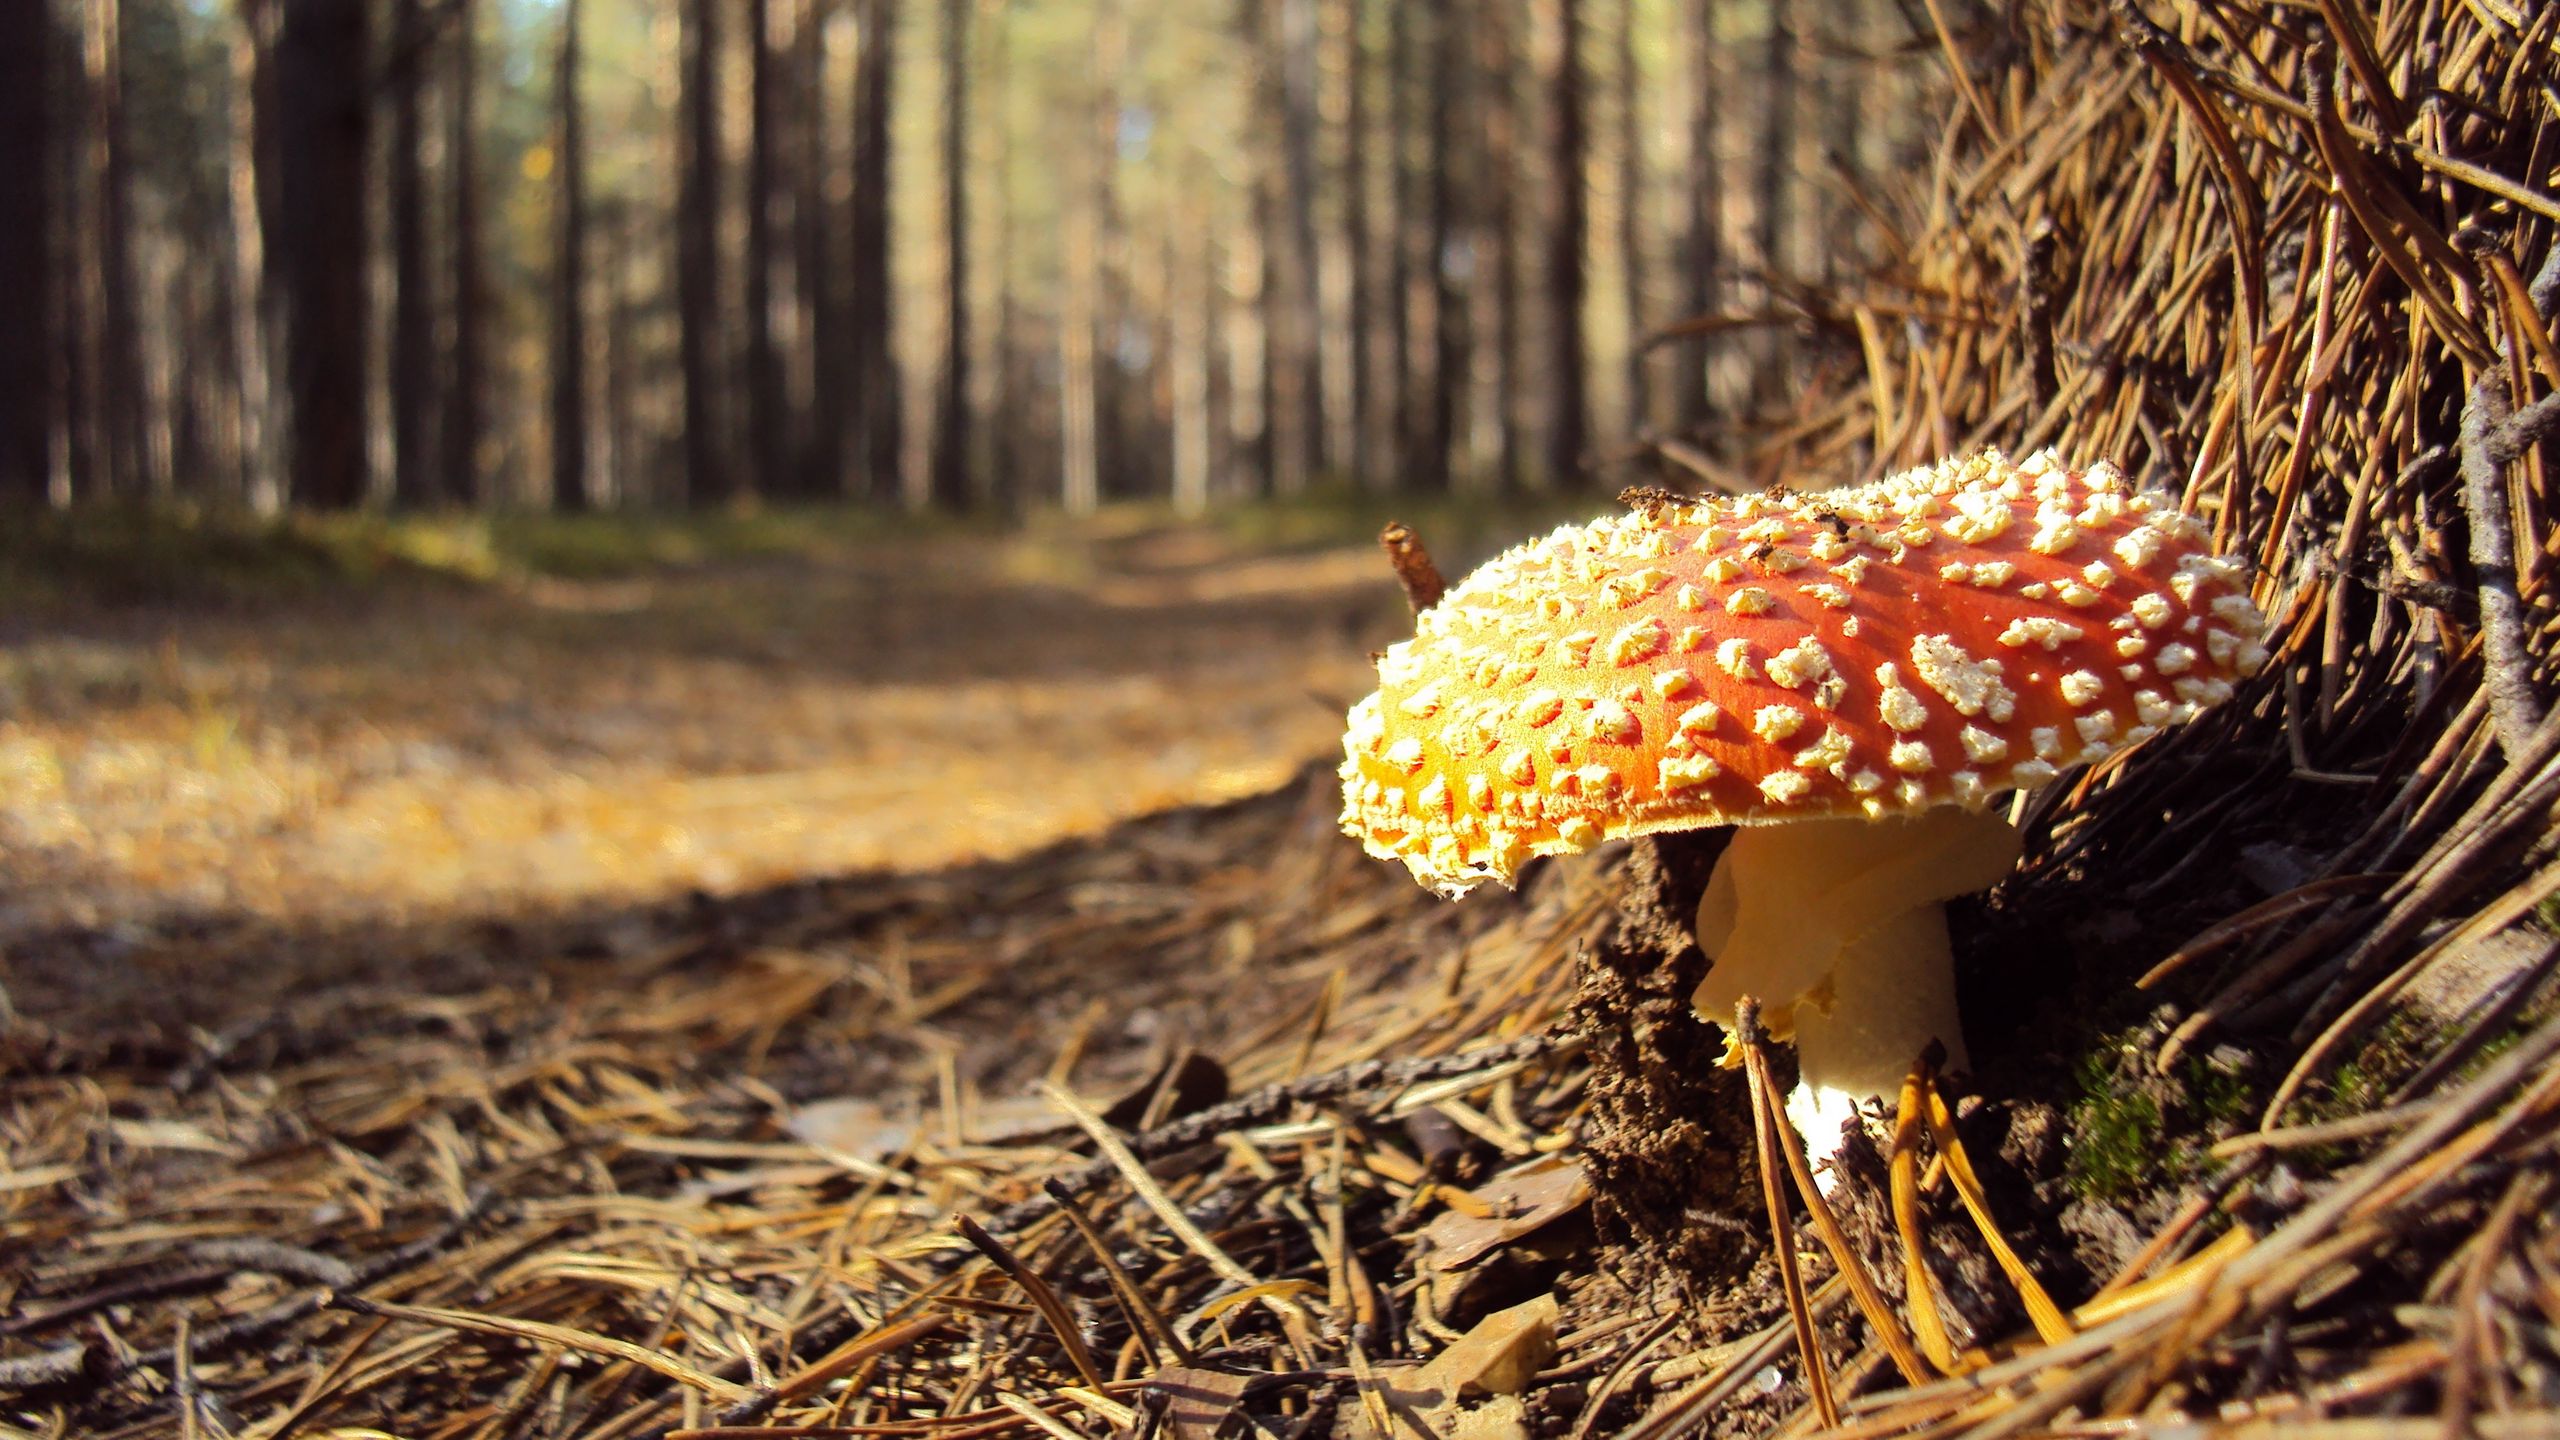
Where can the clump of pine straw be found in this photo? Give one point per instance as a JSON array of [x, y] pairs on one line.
[[2290, 263]]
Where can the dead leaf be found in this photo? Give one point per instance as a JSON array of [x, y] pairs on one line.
[[1515, 1204]]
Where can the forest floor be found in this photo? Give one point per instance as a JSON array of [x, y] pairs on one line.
[[628, 717], [480, 984]]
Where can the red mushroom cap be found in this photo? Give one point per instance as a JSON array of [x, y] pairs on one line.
[[1933, 638]]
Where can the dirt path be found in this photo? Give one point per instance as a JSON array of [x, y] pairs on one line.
[[427, 749]]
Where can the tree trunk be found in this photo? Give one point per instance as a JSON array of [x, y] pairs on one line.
[[1632, 190], [707, 479], [1502, 164], [1187, 298], [1568, 379], [253, 320], [1080, 287], [1248, 351], [109, 458], [323, 61], [132, 436], [1004, 451], [1399, 229], [767, 438], [1776, 147], [1112, 447], [26, 253], [1299, 416], [412, 317], [1705, 242], [187, 365], [1435, 465], [820, 287], [951, 427], [1362, 457], [569, 486], [876, 428], [633, 476], [464, 400]]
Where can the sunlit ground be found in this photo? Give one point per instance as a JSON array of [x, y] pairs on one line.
[[409, 747]]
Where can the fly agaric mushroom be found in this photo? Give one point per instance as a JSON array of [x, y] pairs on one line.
[[1847, 678]]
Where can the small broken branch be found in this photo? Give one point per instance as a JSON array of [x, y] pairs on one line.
[[2507, 662], [1423, 586], [2494, 436], [2036, 287]]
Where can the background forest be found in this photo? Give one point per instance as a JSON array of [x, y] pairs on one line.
[[965, 254]]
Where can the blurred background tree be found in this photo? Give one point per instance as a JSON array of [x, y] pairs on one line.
[[968, 255]]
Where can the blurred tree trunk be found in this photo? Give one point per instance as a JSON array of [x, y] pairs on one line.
[[253, 321], [1188, 294], [1404, 450], [1433, 469], [1776, 148], [413, 479], [624, 458], [1568, 378], [1084, 173], [874, 402], [464, 399], [75, 327], [1298, 419], [111, 421], [821, 288], [26, 253], [323, 62], [1502, 222], [1004, 450], [707, 478], [1632, 190], [1848, 84], [570, 489], [132, 435], [196, 341], [1704, 248], [951, 417], [1113, 449], [1362, 457], [767, 439]]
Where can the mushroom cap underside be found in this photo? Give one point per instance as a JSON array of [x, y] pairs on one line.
[[1937, 637]]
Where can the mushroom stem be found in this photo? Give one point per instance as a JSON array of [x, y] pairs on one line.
[[1845, 920]]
